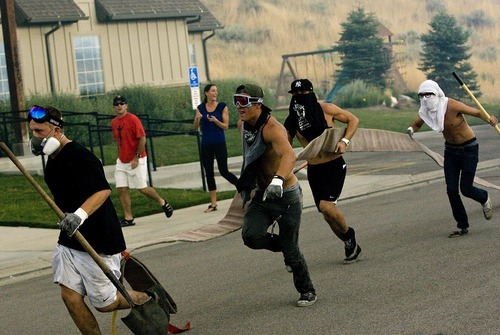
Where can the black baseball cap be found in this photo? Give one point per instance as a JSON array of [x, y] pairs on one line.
[[301, 85], [118, 99]]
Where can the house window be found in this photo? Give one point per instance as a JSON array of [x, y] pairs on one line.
[[4, 79], [89, 65]]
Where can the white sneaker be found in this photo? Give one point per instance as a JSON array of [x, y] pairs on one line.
[[488, 209]]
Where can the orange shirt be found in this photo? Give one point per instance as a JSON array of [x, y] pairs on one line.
[[127, 130]]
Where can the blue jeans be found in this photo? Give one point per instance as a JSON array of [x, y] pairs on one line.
[[286, 212], [460, 163]]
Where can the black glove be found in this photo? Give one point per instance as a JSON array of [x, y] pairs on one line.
[[274, 190], [72, 221]]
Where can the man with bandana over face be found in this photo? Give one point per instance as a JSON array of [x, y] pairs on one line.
[[447, 116], [76, 178], [268, 161], [307, 120]]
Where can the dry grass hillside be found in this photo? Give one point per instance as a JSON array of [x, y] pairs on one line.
[[258, 32]]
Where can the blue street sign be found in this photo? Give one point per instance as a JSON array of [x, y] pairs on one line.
[[193, 77]]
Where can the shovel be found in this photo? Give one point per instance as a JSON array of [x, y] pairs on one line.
[[145, 319]]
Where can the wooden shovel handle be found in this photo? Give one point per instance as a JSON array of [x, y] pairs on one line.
[[471, 95]]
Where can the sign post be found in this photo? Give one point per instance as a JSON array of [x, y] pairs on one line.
[[194, 83]]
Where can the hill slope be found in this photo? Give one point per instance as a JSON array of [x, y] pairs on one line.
[[258, 32]]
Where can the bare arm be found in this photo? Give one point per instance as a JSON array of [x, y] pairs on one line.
[[142, 144], [460, 107], [95, 201], [417, 124], [140, 148], [333, 112], [197, 118]]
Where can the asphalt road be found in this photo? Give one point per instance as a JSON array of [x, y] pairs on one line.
[[411, 278]]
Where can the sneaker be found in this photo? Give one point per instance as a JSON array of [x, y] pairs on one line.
[[488, 209], [167, 209], [307, 299], [352, 251], [458, 233], [127, 223]]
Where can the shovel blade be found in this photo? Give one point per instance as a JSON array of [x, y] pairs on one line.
[[147, 319]]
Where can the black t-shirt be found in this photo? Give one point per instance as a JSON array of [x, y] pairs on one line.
[[73, 176], [305, 116]]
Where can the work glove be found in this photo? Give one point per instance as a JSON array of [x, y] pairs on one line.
[[72, 221], [275, 189], [410, 131]]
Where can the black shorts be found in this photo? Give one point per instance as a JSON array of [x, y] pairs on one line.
[[327, 180]]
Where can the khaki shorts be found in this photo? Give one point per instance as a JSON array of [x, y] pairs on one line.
[[76, 270], [136, 178]]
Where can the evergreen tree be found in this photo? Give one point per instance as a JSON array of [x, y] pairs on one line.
[[361, 51], [444, 52]]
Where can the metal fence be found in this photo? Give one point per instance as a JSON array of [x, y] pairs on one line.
[[93, 130]]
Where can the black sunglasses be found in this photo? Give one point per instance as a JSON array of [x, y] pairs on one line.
[[119, 103]]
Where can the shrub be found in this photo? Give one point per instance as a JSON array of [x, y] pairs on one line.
[[358, 94], [434, 6], [234, 33], [477, 19], [489, 54], [249, 5], [318, 7]]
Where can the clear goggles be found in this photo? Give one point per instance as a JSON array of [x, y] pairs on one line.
[[245, 100], [40, 115]]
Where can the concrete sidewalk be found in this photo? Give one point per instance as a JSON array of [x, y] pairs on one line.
[[27, 252]]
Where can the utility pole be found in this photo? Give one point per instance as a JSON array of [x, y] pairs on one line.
[[14, 73]]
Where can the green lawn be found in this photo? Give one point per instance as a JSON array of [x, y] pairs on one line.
[[22, 206]]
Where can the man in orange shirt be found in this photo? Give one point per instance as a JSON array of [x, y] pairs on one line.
[[131, 165]]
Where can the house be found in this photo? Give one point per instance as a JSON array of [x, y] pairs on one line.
[[89, 47]]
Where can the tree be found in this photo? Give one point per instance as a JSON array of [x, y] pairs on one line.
[[444, 52], [361, 51]]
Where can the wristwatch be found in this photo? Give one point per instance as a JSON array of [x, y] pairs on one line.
[[346, 141]]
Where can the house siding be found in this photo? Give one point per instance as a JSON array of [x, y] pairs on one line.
[[154, 52]]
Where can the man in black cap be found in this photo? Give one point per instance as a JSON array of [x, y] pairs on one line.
[[131, 165], [268, 161], [307, 120]]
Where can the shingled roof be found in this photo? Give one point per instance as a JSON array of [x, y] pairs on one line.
[[49, 11], [116, 10], [30, 12], [207, 21]]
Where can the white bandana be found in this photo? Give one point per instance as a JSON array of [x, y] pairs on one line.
[[432, 109]]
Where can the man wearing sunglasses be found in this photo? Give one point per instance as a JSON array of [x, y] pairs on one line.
[[131, 165], [307, 120], [268, 162], [78, 184], [461, 150]]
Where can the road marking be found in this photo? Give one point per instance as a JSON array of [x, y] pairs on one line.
[[381, 167]]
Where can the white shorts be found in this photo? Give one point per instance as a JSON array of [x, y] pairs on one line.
[[78, 271], [136, 178]]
